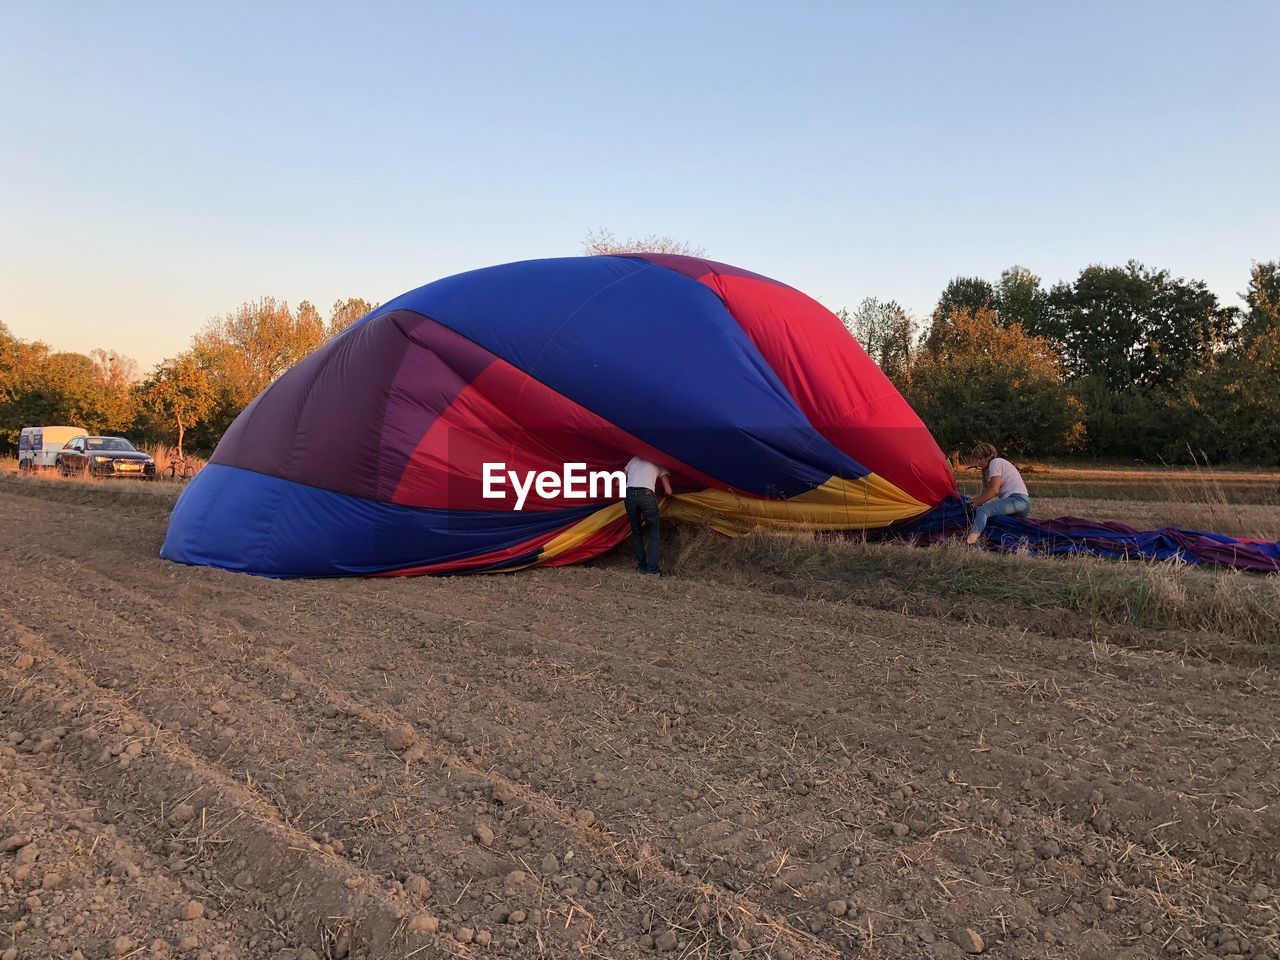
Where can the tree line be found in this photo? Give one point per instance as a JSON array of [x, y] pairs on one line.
[[1124, 362], [188, 400]]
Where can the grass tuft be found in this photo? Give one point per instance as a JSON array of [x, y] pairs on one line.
[[957, 582]]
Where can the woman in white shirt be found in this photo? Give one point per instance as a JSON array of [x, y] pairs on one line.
[[1004, 494]]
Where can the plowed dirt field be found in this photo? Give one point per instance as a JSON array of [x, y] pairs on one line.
[[584, 762]]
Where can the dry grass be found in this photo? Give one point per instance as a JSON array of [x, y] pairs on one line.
[[1188, 485], [84, 489], [163, 455], [953, 581], [1171, 594]]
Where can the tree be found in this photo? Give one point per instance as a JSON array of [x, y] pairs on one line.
[[967, 294], [40, 387], [995, 383], [600, 242], [115, 403], [1262, 300], [181, 392], [1230, 405], [1128, 423], [1132, 326], [23, 399], [245, 351], [888, 334], [1020, 299], [14, 358], [347, 312], [307, 316]]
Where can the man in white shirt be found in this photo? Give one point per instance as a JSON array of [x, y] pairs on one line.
[[642, 510], [1004, 493]]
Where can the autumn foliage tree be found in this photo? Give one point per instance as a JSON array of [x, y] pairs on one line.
[[247, 349], [39, 386], [347, 312], [180, 392], [970, 295], [192, 397], [985, 381]]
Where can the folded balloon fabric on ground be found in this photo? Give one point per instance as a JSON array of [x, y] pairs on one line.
[[1099, 538]]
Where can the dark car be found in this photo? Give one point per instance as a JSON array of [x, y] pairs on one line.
[[105, 457]]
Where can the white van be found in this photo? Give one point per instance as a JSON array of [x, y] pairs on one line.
[[38, 447]]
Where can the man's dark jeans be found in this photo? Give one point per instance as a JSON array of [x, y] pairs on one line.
[[642, 511]]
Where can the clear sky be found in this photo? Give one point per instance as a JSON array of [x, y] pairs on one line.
[[162, 162]]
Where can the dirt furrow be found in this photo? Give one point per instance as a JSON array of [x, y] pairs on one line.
[[222, 839]]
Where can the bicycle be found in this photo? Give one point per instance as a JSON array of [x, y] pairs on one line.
[[180, 468]]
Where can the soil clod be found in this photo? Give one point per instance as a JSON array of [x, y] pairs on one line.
[[401, 736], [968, 940]]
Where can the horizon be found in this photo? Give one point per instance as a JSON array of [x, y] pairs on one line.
[[180, 162]]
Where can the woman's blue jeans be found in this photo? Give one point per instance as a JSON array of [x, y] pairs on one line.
[[1014, 505]]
